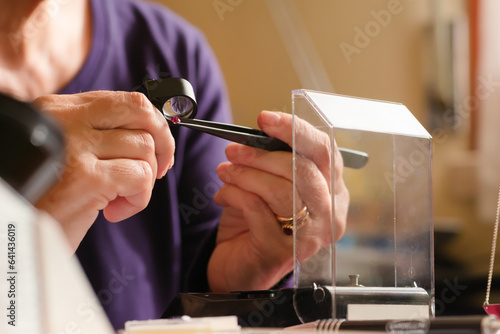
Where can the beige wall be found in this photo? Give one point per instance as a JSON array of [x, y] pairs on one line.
[[259, 72]]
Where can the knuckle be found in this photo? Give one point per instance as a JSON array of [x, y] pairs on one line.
[[146, 142], [254, 202], [77, 158], [144, 171], [236, 170], [85, 172], [121, 178], [305, 168], [232, 173], [77, 146], [138, 99], [283, 194], [140, 102], [147, 111]]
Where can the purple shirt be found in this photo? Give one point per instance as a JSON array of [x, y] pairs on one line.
[[138, 265]]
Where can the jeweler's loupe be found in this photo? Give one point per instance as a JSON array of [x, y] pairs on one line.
[[175, 99]]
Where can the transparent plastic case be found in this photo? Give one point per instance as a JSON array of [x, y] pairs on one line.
[[387, 248]]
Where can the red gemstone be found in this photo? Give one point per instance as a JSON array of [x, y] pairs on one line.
[[175, 119], [493, 309]]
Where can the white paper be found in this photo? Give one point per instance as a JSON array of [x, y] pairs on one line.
[[43, 288]]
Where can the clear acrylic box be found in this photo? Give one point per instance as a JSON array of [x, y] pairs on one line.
[[388, 240]]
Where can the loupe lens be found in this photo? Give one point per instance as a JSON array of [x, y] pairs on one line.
[[179, 106]]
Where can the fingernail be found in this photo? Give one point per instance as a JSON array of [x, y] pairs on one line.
[[271, 118], [237, 152]]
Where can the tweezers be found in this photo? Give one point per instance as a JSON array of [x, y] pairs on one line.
[[259, 139], [236, 133], [159, 92]]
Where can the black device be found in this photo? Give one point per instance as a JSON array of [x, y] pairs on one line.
[[31, 148], [292, 306]]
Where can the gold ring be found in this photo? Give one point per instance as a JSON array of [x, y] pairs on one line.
[[286, 223]]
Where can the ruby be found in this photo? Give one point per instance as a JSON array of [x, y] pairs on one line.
[[493, 309]]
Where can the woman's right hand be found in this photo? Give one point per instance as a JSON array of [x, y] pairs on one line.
[[117, 144]]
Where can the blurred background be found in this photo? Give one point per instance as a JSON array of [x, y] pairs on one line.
[[440, 58]]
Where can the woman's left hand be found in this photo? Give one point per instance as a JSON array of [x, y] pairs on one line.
[[252, 251]]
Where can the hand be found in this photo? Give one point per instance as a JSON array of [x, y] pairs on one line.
[[252, 252], [117, 144]]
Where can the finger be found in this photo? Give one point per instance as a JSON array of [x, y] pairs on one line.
[[109, 110], [278, 163], [78, 98], [126, 144], [261, 220], [126, 179], [315, 145], [128, 110], [276, 191], [124, 207], [312, 187], [309, 142], [134, 111], [315, 192]]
